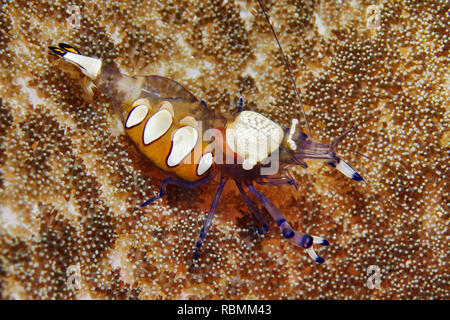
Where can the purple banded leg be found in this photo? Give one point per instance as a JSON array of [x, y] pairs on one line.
[[297, 238], [295, 159], [282, 181], [258, 215], [179, 183], [212, 210]]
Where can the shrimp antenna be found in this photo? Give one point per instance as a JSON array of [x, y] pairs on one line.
[[359, 154], [289, 69]]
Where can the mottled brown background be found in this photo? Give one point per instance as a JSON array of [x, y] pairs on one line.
[[71, 182]]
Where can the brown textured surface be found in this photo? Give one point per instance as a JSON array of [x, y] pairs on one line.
[[70, 181]]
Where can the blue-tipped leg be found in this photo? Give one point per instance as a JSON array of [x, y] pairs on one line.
[[345, 168], [320, 241], [357, 177], [207, 223], [153, 199], [300, 239], [282, 179], [264, 229], [258, 215], [320, 260], [179, 183], [278, 182]]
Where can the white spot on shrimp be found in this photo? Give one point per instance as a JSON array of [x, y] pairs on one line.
[[183, 141], [136, 116], [205, 163], [157, 125]]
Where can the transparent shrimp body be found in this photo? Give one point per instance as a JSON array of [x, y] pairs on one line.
[[165, 121]]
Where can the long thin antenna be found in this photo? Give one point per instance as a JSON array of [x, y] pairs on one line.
[[289, 69]]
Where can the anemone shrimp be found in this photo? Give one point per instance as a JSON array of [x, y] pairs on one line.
[[165, 121]]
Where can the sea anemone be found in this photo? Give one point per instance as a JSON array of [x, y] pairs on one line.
[[71, 182]]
